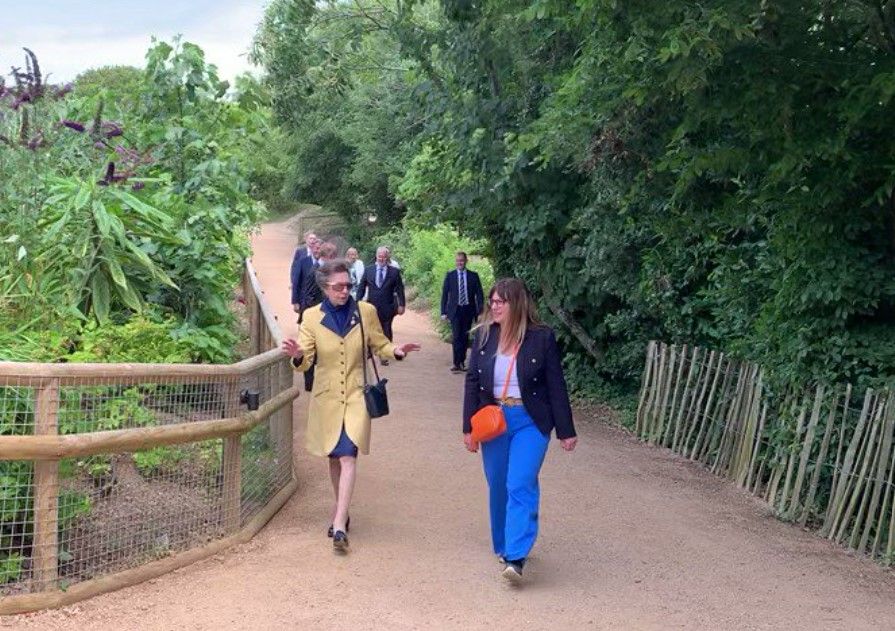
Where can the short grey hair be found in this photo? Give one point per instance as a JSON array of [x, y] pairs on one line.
[[330, 269]]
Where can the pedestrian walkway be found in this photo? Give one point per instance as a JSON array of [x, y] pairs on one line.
[[632, 537]]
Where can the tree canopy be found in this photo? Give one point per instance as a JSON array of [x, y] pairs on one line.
[[719, 173]]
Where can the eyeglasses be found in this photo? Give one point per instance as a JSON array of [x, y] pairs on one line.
[[497, 302], [340, 286]]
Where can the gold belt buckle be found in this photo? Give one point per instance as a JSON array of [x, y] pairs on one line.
[[512, 402]]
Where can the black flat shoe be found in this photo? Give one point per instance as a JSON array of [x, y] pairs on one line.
[[340, 542], [329, 533]]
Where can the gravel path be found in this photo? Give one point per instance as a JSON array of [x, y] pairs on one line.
[[632, 537]]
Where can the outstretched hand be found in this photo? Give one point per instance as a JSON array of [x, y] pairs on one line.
[[407, 348], [291, 348]]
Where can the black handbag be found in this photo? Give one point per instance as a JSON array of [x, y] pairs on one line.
[[375, 395]]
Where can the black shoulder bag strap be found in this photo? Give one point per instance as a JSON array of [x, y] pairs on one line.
[[375, 395]]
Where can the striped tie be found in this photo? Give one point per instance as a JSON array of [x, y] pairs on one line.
[[464, 299]]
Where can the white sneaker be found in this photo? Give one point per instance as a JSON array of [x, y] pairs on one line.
[[512, 573]]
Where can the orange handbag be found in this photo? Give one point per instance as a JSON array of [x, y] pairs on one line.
[[489, 423]]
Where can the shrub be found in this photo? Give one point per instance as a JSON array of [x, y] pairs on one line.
[[426, 255]]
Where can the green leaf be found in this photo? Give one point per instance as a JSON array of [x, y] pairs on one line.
[[130, 297], [148, 212], [116, 272], [101, 218], [100, 298]]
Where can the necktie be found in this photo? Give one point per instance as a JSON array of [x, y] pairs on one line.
[[380, 276], [464, 299]]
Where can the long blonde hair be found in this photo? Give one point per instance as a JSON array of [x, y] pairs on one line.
[[523, 313]]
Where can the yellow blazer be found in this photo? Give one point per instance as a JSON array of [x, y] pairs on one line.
[[338, 393]]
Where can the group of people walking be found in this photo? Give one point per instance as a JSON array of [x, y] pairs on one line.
[[346, 311]]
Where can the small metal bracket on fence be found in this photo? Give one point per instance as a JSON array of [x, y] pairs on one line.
[[250, 398]]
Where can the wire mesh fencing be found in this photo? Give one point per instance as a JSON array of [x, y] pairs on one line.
[[822, 456], [106, 468]]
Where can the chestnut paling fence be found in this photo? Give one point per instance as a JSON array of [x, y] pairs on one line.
[[822, 456], [114, 473]]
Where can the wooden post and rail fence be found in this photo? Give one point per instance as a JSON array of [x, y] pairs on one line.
[[32, 440]]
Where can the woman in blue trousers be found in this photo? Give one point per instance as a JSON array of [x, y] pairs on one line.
[[514, 352]]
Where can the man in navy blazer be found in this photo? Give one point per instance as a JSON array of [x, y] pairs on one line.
[[462, 302], [298, 272], [384, 289]]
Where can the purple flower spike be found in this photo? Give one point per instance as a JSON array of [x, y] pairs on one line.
[[24, 97], [78, 127], [111, 129], [68, 87], [138, 186], [99, 145]]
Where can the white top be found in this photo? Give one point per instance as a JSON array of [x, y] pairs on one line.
[[356, 272], [501, 364]]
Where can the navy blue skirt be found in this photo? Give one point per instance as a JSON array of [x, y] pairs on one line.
[[345, 446]]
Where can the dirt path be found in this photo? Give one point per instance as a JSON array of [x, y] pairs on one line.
[[632, 538]]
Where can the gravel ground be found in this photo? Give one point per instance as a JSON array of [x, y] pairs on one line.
[[632, 537]]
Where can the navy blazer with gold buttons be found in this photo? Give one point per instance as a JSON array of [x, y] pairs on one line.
[[541, 380]]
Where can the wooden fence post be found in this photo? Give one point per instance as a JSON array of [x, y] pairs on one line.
[[289, 417], [46, 492]]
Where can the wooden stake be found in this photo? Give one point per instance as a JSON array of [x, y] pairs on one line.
[[839, 449], [807, 447], [882, 465], [821, 459], [755, 451], [667, 370], [840, 490], [693, 415], [645, 386], [678, 383], [704, 420], [867, 453], [791, 460], [687, 394]]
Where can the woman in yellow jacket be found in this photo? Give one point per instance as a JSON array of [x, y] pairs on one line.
[[338, 422]]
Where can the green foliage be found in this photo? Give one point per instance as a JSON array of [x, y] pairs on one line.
[[139, 340], [114, 84], [340, 89], [10, 567], [159, 460], [103, 410], [136, 190], [72, 505], [426, 255], [718, 173]]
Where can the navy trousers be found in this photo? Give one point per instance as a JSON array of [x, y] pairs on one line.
[[461, 323]]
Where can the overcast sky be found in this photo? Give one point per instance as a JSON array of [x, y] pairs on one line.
[[70, 36]]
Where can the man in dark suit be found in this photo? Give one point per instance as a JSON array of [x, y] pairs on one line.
[[298, 273], [303, 285], [462, 301], [384, 289]]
